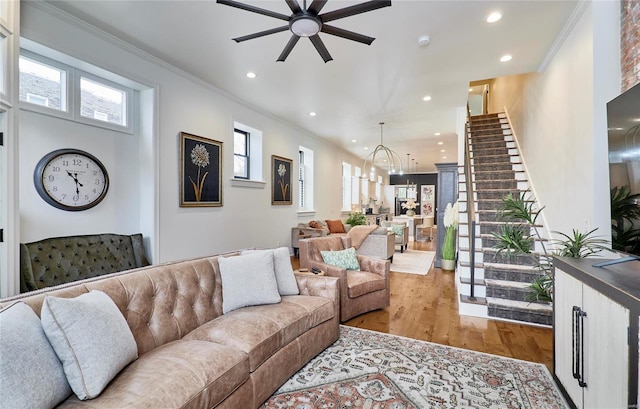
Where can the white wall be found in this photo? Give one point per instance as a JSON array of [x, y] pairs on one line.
[[562, 130], [246, 219]]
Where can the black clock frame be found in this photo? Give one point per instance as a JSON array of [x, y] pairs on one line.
[[39, 182]]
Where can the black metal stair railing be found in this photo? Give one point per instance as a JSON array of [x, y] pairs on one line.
[[471, 213]]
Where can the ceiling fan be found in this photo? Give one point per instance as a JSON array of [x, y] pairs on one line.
[[308, 22]]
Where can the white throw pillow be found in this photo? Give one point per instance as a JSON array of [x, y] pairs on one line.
[[248, 280], [31, 374], [92, 339], [287, 284]]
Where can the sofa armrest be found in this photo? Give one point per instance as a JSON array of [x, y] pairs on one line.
[[319, 286], [374, 265]]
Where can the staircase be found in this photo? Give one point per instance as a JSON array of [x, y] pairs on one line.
[[501, 283]]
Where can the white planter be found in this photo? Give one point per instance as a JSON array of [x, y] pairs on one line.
[[448, 264]]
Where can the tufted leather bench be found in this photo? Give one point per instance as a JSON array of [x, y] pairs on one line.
[[61, 260]]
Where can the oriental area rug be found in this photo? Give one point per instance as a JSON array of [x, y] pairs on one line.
[[413, 261], [366, 369]]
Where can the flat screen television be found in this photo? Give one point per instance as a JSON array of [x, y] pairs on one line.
[[623, 123]]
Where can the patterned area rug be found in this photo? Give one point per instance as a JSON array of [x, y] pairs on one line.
[[366, 369], [413, 261]]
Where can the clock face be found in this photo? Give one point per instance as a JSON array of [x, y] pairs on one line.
[[71, 179]]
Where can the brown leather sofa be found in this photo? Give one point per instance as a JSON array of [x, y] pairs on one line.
[[191, 355], [360, 291]]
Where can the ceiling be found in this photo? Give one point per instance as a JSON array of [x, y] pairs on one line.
[[363, 85]]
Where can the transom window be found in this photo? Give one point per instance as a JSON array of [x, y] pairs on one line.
[[53, 88]]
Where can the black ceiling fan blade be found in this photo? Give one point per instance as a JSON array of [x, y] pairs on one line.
[[353, 10], [316, 6], [261, 34], [294, 6], [349, 35], [253, 9], [322, 50], [287, 49]]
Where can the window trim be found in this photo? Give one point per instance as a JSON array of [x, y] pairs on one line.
[[66, 109], [246, 156], [73, 95], [128, 108]]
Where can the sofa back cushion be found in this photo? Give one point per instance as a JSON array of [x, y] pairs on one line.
[[160, 303]]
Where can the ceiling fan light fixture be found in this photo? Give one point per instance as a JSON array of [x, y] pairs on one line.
[[305, 26]]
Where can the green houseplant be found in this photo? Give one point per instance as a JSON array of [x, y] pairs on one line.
[[516, 238], [356, 219], [449, 244]]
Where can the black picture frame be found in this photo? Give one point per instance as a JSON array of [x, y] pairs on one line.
[[200, 171], [281, 180]]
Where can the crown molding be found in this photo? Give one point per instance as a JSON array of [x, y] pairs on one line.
[[571, 23]]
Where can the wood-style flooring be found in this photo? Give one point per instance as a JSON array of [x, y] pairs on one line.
[[426, 308]]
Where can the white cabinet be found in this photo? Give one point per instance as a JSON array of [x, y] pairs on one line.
[[591, 349]]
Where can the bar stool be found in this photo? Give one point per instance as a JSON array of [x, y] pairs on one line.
[[426, 224]]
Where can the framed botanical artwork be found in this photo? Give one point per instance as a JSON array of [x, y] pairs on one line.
[[427, 200], [280, 180], [200, 171]]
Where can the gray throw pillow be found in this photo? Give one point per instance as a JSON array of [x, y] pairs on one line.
[[31, 374], [248, 280], [92, 339], [287, 284]]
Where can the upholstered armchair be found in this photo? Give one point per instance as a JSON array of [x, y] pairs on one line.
[[360, 291], [402, 233]]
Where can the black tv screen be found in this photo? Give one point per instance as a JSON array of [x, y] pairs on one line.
[[623, 123]]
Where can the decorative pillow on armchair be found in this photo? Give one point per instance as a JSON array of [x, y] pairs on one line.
[[335, 226], [346, 259], [398, 229]]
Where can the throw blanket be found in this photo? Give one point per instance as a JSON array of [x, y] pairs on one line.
[[359, 233]]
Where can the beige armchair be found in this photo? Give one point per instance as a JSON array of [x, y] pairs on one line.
[[402, 233], [379, 245], [305, 231], [360, 291]]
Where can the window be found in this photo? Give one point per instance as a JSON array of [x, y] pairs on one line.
[[379, 188], [346, 186], [247, 154], [102, 102], [305, 179], [43, 84], [355, 186], [241, 162], [53, 88]]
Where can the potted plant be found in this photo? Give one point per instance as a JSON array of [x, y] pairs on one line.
[[515, 238], [356, 219], [410, 205], [449, 243]]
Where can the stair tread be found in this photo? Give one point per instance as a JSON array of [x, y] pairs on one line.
[[506, 283], [478, 281], [525, 305]]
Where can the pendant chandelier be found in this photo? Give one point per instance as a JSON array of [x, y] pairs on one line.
[[394, 164]]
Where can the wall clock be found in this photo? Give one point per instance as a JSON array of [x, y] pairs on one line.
[[71, 179]]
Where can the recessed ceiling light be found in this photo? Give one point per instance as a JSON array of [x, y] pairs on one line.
[[470, 89], [437, 134], [443, 150], [505, 58], [366, 148], [312, 113], [427, 98], [444, 157], [493, 17], [251, 74], [354, 141], [439, 143]]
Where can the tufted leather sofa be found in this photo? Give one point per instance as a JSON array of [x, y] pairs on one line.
[[193, 356], [60, 260]]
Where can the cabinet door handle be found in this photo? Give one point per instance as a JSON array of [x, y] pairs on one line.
[[575, 343], [581, 381]]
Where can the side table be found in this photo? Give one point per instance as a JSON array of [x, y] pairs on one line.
[[308, 271]]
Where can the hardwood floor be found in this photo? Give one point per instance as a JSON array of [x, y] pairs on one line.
[[426, 308]]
